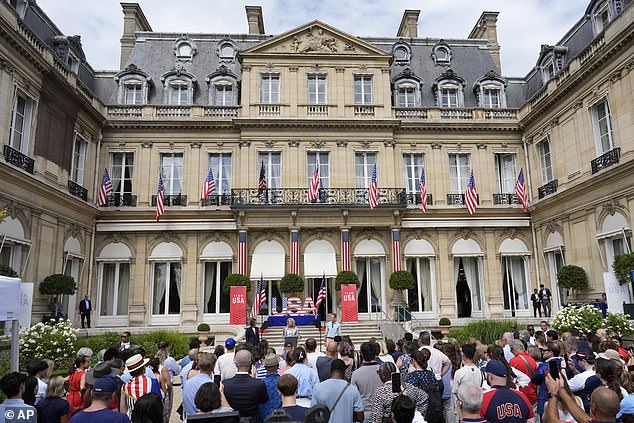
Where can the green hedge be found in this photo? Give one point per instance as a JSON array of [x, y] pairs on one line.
[[179, 343], [291, 283], [572, 277], [7, 270], [623, 266], [487, 331], [235, 279], [58, 284], [401, 280], [346, 277]]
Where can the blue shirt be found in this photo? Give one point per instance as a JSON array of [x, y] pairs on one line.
[[101, 416], [184, 372], [274, 402], [185, 361], [333, 329], [21, 412], [306, 379], [127, 377], [172, 367], [189, 392], [326, 393]]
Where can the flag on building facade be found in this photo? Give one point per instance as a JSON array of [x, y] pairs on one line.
[[260, 298], [345, 250], [520, 190], [423, 191], [262, 180], [313, 191], [105, 190], [209, 186], [295, 252], [321, 296], [242, 253], [373, 192], [471, 196], [396, 245], [160, 198]]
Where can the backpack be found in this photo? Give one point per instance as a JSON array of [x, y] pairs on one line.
[[434, 390]]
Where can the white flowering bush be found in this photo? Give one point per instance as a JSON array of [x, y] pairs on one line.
[[55, 340], [586, 319], [618, 324]]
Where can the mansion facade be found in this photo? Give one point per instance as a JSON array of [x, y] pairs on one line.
[[252, 105]]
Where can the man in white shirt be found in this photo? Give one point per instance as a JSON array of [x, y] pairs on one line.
[[439, 363], [312, 356], [507, 338], [578, 382], [225, 367], [333, 328]]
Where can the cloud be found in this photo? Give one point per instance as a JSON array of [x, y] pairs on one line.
[[522, 25]]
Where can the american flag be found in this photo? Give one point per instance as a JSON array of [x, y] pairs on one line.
[[373, 192], [321, 296], [260, 298], [160, 198], [423, 191], [209, 186], [396, 243], [106, 188], [313, 191], [471, 196], [262, 181], [242, 252], [520, 190], [294, 252], [345, 250], [284, 303]]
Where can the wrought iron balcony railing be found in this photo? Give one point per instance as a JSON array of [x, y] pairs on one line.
[[547, 189], [505, 199], [77, 190], [297, 197], [121, 200], [458, 199], [414, 198], [607, 159], [172, 200], [18, 159], [217, 200]]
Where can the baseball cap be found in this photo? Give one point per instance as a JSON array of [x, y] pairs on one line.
[[230, 343], [627, 406], [271, 360], [497, 368], [106, 384]]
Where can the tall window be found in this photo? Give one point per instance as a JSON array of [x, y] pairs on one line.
[[121, 173], [515, 284], [459, 167], [133, 92], [11, 255], [324, 168], [115, 289], [601, 16], [363, 89], [172, 171], [79, 160], [449, 96], [220, 164], [420, 298], [602, 123], [545, 161], [272, 168], [215, 300], [406, 95], [166, 288], [270, 88], [412, 168], [364, 165], [179, 92], [490, 97], [556, 261], [505, 173], [21, 117], [316, 89], [224, 95], [548, 70]]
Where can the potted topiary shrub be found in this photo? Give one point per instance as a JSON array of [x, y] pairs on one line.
[[292, 284], [400, 281], [8, 271], [203, 333], [623, 267], [445, 326], [55, 286], [573, 278], [235, 279], [346, 277]]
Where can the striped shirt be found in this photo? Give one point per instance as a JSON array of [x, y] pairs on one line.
[[135, 389]]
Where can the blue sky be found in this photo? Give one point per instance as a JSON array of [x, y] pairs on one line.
[[523, 25]]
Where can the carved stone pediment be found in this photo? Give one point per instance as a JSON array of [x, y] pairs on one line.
[[369, 233], [465, 233]]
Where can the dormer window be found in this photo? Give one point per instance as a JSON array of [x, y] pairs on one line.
[[178, 87], [178, 92], [223, 87], [448, 95], [602, 12], [551, 60], [223, 93], [401, 52], [441, 53], [407, 89], [133, 91], [449, 90], [19, 6], [73, 62], [226, 50], [184, 49], [490, 91], [548, 70], [133, 86]]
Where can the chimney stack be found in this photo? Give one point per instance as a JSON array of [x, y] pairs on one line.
[[409, 24], [133, 20], [486, 28], [255, 20]]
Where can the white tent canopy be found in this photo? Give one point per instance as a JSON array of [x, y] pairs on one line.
[[320, 259], [12, 228], [419, 248], [613, 225], [554, 241], [166, 251], [268, 261], [72, 246]]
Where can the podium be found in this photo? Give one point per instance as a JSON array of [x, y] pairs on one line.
[[292, 340]]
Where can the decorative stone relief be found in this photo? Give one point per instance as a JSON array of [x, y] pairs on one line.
[[6, 66], [396, 215], [369, 233], [195, 144], [464, 233], [345, 214], [436, 145], [416, 234], [611, 206], [318, 233], [293, 143], [74, 230], [14, 209], [577, 105], [244, 143], [144, 144], [552, 227], [318, 143], [313, 40], [342, 143], [269, 234], [615, 76], [510, 233], [365, 144], [389, 143], [269, 143], [481, 146], [294, 217]]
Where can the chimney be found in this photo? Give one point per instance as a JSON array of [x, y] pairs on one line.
[[486, 28], [133, 20], [255, 20], [409, 24]]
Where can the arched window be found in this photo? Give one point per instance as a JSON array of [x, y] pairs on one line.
[[216, 258], [602, 12], [401, 52], [515, 278], [184, 49], [448, 89], [490, 91], [407, 89], [178, 87], [441, 53], [133, 86], [551, 60], [166, 284], [113, 288], [223, 87]]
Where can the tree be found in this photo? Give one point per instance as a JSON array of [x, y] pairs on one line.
[[235, 279], [346, 277], [291, 283], [623, 267], [573, 277]]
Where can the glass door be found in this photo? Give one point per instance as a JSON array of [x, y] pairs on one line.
[[371, 274], [72, 267]]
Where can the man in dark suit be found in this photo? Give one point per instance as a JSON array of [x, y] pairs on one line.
[[545, 295], [537, 303], [85, 307], [243, 392], [253, 334]]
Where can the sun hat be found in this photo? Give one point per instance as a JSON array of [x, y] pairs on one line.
[[101, 369], [611, 355], [135, 362], [271, 360]]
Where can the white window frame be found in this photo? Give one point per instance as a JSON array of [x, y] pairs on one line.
[[597, 21], [363, 87], [596, 125], [317, 87], [168, 173], [15, 252], [268, 94], [222, 175], [112, 319], [134, 86], [221, 90], [324, 167], [548, 69], [188, 56], [164, 317], [406, 54], [27, 115], [267, 158], [477, 310], [450, 95], [413, 164], [125, 156], [545, 160], [221, 53], [80, 150], [486, 99], [179, 92], [459, 182], [216, 315], [367, 166], [505, 182], [407, 94], [553, 267]]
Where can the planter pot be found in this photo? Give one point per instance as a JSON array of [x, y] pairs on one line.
[[444, 330], [203, 337]]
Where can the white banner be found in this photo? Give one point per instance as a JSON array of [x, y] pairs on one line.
[[617, 294], [26, 305], [9, 298]]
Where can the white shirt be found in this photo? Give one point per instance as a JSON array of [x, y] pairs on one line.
[[312, 358], [41, 390], [578, 382], [507, 353], [386, 358], [436, 361], [225, 366], [470, 374]]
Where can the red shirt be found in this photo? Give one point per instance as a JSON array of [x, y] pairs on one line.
[[519, 362]]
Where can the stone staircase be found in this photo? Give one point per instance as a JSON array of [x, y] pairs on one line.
[[358, 332]]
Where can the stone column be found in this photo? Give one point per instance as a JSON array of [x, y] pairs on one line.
[[139, 283], [446, 291], [190, 282]]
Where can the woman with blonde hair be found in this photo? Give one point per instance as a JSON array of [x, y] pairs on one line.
[[385, 356], [54, 408], [291, 331]]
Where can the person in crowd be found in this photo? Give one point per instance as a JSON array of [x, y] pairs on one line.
[[425, 380], [271, 364], [404, 362], [551, 352], [531, 333], [75, 377], [39, 369], [13, 387], [252, 334], [160, 374], [193, 344], [626, 412], [346, 353], [312, 353], [100, 370], [306, 377], [571, 345], [552, 336], [168, 369], [225, 366], [139, 385], [219, 350], [104, 391], [191, 355], [384, 354], [448, 405], [210, 399], [439, 363], [545, 296], [342, 398], [505, 341], [619, 347], [287, 386], [85, 308], [384, 395], [469, 403], [544, 326], [323, 363], [148, 409], [404, 410], [206, 363], [125, 343], [31, 387], [291, 331], [524, 363], [244, 393], [501, 403], [392, 349], [257, 369], [578, 382], [468, 374], [366, 377], [536, 301], [333, 328], [515, 378]]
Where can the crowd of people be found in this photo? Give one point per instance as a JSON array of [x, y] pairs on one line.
[[526, 376]]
